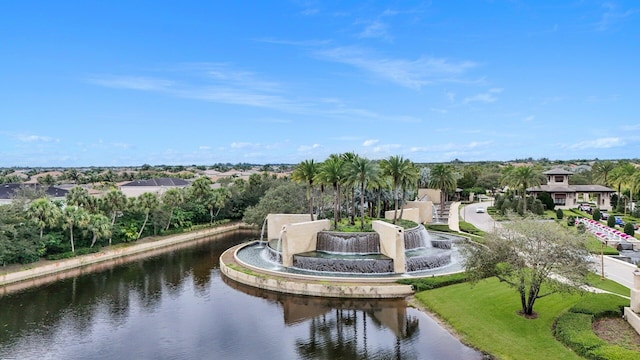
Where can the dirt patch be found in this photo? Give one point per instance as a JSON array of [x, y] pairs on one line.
[[617, 331]]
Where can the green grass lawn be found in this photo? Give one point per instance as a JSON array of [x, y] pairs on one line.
[[608, 285], [485, 315]]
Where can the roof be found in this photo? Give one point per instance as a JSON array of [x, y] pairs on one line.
[[571, 189], [558, 171], [7, 191], [158, 182]]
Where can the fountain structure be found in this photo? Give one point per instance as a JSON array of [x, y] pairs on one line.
[[304, 257]]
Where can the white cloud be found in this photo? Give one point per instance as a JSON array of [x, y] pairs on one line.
[[35, 138], [370, 142], [204, 147], [413, 74], [132, 82], [375, 29], [303, 148], [529, 118], [242, 145], [487, 97], [602, 143]]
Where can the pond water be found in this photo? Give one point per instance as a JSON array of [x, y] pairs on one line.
[[176, 305]]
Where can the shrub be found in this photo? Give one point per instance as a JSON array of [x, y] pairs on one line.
[[628, 229], [574, 330], [434, 282], [581, 228], [602, 305], [559, 214], [611, 221], [596, 215], [571, 220], [470, 229]]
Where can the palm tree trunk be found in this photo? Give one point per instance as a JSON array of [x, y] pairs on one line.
[[113, 221], [336, 205], [395, 203], [169, 222], [73, 248], [93, 241], [362, 206], [143, 225]]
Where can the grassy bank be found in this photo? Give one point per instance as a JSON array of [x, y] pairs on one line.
[[486, 317]]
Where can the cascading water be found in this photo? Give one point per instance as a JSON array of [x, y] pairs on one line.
[[348, 243], [264, 224], [360, 253], [417, 239]]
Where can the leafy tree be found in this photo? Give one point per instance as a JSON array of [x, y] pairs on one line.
[[47, 180], [597, 215], [444, 178], [628, 229], [286, 198], [531, 256], [79, 196], [559, 214], [44, 212], [305, 172], [360, 171], [547, 200]]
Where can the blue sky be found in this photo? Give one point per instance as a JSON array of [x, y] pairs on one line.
[[110, 83]]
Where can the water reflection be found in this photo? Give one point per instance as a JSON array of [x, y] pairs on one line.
[[177, 306]]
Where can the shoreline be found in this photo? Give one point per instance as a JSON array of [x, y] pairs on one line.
[[60, 269]]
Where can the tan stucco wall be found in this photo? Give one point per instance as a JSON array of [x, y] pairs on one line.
[[301, 237], [412, 214], [432, 194], [425, 208], [275, 222], [392, 244]]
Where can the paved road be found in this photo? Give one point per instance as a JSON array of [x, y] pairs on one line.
[[614, 269]]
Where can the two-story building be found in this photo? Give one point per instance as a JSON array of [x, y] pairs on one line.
[[567, 196]]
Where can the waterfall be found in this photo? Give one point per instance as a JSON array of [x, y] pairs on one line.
[[348, 243], [417, 238]]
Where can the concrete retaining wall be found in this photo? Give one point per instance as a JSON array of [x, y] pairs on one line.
[[432, 194], [105, 255], [392, 244], [301, 237]]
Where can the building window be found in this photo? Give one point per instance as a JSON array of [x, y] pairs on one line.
[[560, 199], [558, 179]]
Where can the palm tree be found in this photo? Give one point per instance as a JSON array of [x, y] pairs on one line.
[[99, 227], [79, 196], [201, 188], [305, 172], [622, 175], [44, 212], [395, 168], [114, 201], [217, 200], [360, 171], [171, 199], [601, 171], [331, 172], [409, 180], [74, 216], [444, 178], [521, 178], [146, 202], [348, 158]]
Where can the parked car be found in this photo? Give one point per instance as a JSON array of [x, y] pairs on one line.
[[585, 208], [480, 210], [619, 221], [604, 215]]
